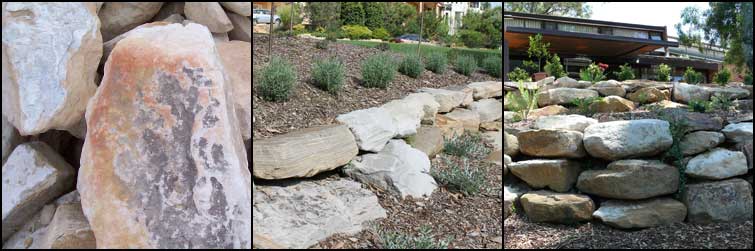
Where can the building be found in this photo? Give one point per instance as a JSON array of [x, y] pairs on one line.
[[454, 13], [581, 41]]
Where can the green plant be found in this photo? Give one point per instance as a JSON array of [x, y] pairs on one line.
[[625, 72], [472, 39], [436, 62], [465, 65], [381, 33], [425, 240], [468, 145], [678, 127], [642, 98], [722, 77], [383, 47], [493, 65], [331, 36], [356, 32], [460, 176], [378, 70], [299, 28], [284, 12], [322, 44], [593, 73], [748, 79], [352, 13], [518, 75], [664, 72], [276, 80], [553, 67], [692, 77], [538, 49], [584, 104], [374, 13], [530, 67], [411, 66], [523, 102], [328, 74], [721, 102], [699, 106]]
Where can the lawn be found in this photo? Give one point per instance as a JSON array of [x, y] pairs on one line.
[[479, 54]]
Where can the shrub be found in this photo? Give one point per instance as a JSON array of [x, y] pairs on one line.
[[460, 177], [553, 67], [664, 72], [328, 74], [425, 240], [593, 73], [722, 77], [374, 13], [381, 33], [678, 127], [519, 75], [436, 62], [584, 104], [523, 102], [356, 32], [383, 47], [530, 66], [276, 80], [285, 14], [378, 70], [625, 72], [699, 106], [322, 44], [748, 79], [411, 65], [692, 77], [299, 28], [468, 145], [352, 13], [465, 65], [721, 102], [471, 39], [493, 65]]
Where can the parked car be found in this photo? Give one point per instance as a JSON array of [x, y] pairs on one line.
[[263, 16], [407, 38]]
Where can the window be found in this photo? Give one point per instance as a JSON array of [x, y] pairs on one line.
[[655, 36], [551, 26], [605, 31], [474, 4]]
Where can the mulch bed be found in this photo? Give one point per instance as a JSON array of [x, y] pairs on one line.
[[310, 106]]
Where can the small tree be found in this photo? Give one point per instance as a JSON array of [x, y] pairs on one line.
[[538, 49], [664, 72], [625, 72], [692, 77], [554, 68], [352, 13], [722, 77]]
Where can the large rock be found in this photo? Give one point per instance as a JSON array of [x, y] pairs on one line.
[[447, 99], [700, 141], [567, 82], [509, 199], [69, 229], [50, 55], [242, 27], [301, 214], [470, 119], [119, 17], [684, 93], [237, 62], [551, 143], [510, 144], [429, 140], [747, 150], [646, 95], [546, 206], [548, 111], [372, 127], [487, 89], [303, 153], [564, 122], [627, 139], [10, 138], [448, 126], [33, 234], [406, 114], [558, 175], [631, 180], [399, 168], [489, 109], [717, 164], [730, 92], [468, 93], [241, 8], [609, 88], [33, 176], [561, 96], [506, 162], [428, 104], [209, 14], [719, 201], [641, 214], [738, 133], [612, 104], [164, 158]]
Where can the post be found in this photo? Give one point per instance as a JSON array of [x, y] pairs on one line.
[[420, 29], [270, 34], [293, 15]]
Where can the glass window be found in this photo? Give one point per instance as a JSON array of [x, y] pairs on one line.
[[655, 36], [605, 31], [551, 26]]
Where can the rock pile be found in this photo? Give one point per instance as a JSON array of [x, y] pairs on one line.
[[146, 151]]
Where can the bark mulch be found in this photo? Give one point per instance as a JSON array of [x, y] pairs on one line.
[[310, 106]]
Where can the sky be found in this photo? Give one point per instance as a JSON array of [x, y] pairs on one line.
[[648, 13]]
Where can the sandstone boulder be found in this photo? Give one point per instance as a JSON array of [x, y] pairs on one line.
[[429, 140], [447, 99], [738, 133], [646, 95], [209, 14], [548, 111], [631, 180], [470, 119], [429, 106], [641, 214], [551, 143], [612, 104], [237, 62], [510, 144], [372, 127], [487, 89], [10, 138], [561, 96], [609, 88], [242, 27], [303, 153], [558, 175], [406, 114], [564, 122], [164, 158], [717, 164], [448, 126], [546, 206], [684, 93], [700, 141], [119, 17], [719, 201], [627, 139], [241, 8], [49, 60], [567, 82], [489, 109], [69, 229]]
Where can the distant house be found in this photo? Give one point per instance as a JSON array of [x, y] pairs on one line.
[[454, 12]]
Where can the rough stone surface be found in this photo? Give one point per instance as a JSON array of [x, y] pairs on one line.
[[33, 176], [429, 140], [49, 60], [69, 229], [717, 164], [372, 127], [738, 133], [558, 175], [489, 109], [398, 168], [237, 62], [303, 213], [627, 139], [551, 143], [641, 214], [561, 96], [631, 180], [10, 138], [406, 114], [510, 144], [209, 14], [450, 127], [548, 111], [303, 153], [119, 17], [564, 122], [700, 141], [546, 206], [164, 158], [684, 93], [612, 104], [646, 95], [428, 104], [242, 27], [609, 88], [241, 8], [719, 201], [487, 89], [470, 119], [447, 99]]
